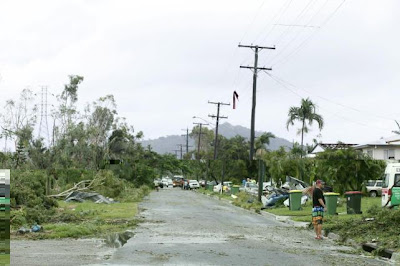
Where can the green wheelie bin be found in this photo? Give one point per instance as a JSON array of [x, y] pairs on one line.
[[210, 187], [395, 198], [295, 200], [353, 199], [331, 202]]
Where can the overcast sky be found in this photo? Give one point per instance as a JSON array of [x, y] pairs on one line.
[[163, 60]]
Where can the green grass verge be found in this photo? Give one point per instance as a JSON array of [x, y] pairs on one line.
[[304, 215], [77, 220], [4, 259]]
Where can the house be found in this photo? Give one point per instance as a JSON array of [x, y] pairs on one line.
[[382, 149], [320, 147]]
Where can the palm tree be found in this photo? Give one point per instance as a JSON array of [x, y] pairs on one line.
[[263, 139], [304, 113]]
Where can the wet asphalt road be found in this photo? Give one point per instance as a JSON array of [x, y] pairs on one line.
[[188, 228]]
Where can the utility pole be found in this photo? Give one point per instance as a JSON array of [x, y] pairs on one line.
[[187, 140], [180, 145], [198, 144], [216, 125], [255, 69], [176, 153]]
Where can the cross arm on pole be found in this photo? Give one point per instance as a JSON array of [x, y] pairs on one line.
[[257, 68]]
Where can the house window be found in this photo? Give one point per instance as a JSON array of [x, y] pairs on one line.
[[370, 153], [388, 154]]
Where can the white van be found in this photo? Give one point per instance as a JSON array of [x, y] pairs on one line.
[[391, 180]]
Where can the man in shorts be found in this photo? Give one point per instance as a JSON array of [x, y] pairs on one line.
[[319, 208]]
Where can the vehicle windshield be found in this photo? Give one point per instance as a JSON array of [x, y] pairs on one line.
[[385, 183]]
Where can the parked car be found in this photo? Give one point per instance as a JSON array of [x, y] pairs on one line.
[[202, 183], [374, 187], [250, 187], [193, 184], [167, 182], [391, 185]]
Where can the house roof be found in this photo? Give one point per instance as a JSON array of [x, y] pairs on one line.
[[381, 142], [334, 146]]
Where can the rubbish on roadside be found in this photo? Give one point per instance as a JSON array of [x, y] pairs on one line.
[[273, 197], [36, 228], [369, 219], [23, 230], [234, 196], [93, 196]]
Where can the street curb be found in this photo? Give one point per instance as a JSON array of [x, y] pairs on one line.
[[286, 219]]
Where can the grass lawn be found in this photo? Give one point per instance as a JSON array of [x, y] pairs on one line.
[[305, 214], [4, 259], [77, 220]]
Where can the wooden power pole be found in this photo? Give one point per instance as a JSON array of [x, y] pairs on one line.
[[216, 125], [255, 69]]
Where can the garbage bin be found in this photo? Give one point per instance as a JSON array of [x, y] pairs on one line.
[[235, 189], [210, 187], [331, 202], [295, 200], [353, 199], [395, 198]]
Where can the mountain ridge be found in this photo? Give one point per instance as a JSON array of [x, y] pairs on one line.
[[169, 143]]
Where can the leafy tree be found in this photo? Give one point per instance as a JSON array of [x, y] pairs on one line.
[[347, 169], [304, 114]]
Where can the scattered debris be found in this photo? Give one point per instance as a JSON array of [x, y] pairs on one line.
[[35, 228], [23, 230], [93, 196]]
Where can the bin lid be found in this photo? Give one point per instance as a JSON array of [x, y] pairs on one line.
[[295, 191], [331, 194], [352, 192]]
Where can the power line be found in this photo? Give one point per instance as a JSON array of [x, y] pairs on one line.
[[295, 21], [298, 48], [280, 13], [301, 97], [252, 22], [331, 101]]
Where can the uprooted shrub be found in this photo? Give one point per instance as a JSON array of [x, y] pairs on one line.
[[28, 190]]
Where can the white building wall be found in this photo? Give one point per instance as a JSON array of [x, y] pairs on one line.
[[397, 154], [379, 154]]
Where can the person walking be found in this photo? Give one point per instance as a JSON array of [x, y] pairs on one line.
[[319, 208]]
